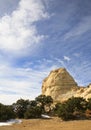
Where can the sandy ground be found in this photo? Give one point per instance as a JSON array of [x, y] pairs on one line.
[[49, 124]]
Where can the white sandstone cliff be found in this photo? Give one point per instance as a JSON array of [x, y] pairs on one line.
[[60, 85]]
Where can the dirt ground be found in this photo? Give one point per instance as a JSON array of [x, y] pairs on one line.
[[49, 124]]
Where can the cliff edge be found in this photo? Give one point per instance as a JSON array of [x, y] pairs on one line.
[[60, 85]]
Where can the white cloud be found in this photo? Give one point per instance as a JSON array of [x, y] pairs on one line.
[[67, 58], [81, 72], [59, 60], [10, 98], [82, 27], [26, 82], [23, 82], [19, 83], [18, 34]]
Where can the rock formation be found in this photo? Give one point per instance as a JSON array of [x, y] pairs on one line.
[[84, 92], [60, 85]]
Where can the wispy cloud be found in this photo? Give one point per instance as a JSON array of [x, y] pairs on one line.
[[67, 58], [22, 33], [82, 27], [18, 33], [24, 82], [81, 72]]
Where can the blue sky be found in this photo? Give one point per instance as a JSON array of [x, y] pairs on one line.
[[37, 36]]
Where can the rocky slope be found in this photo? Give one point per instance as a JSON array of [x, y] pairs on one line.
[[60, 85]]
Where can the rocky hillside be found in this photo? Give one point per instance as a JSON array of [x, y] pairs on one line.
[[60, 85]]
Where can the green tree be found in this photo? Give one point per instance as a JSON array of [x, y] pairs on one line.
[[6, 112], [56, 108], [72, 108], [64, 112], [89, 104], [33, 112], [77, 104], [33, 103], [44, 101], [20, 107]]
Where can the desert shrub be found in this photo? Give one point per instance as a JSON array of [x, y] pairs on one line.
[[6, 113], [89, 104], [20, 107], [44, 101], [32, 109], [64, 112], [33, 112], [77, 104], [56, 109], [33, 103], [72, 108]]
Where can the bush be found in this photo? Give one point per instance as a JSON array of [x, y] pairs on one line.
[[33, 112], [72, 108], [32, 109], [20, 107], [77, 104], [89, 104], [64, 112], [44, 101], [6, 113]]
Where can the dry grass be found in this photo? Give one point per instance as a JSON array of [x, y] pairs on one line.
[[51, 124]]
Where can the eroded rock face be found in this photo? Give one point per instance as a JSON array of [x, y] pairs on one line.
[[59, 85], [84, 92]]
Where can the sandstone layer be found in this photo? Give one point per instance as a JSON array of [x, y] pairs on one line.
[[60, 85]]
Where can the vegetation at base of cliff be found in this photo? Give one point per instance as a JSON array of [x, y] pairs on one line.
[[73, 108], [6, 113], [26, 109]]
